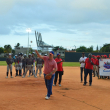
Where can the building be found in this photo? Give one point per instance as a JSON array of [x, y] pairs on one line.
[[18, 50]]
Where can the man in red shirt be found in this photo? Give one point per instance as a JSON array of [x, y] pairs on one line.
[[89, 62], [97, 64], [94, 66], [59, 70]]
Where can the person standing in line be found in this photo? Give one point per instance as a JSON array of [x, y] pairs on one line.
[[22, 57], [34, 59], [82, 65], [89, 62], [50, 67], [29, 66], [24, 64], [16, 65], [97, 64], [9, 62], [39, 65], [94, 66], [59, 71], [19, 60]]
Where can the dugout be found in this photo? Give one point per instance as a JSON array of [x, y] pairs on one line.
[[75, 56]]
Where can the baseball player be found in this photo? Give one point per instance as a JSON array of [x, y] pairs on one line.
[[39, 66], [16, 65], [9, 62], [34, 59], [19, 60], [29, 66], [24, 64]]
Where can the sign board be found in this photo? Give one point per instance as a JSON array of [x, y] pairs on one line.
[[104, 65]]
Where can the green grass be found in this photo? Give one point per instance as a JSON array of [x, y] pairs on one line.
[[75, 64], [3, 63]]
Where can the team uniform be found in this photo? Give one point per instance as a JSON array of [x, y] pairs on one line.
[[29, 66], [22, 57], [34, 59], [16, 65], [9, 62], [59, 71], [39, 66], [82, 66], [24, 65], [19, 60]]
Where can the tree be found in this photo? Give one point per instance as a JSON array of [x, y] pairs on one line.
[[58, 48], [81, 49], [1, 50], [30, 50], [7, 49], [90, 49], [105, 48], [17, 46], [13, 51], [97, 48]]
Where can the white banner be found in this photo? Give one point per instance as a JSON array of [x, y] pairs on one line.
[[104, 65]]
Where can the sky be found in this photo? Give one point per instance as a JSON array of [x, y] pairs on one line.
[[66, 23]]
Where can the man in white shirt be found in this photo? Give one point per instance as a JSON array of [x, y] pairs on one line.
[[82, 66]]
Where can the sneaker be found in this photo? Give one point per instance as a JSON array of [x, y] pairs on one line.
[[84, 84], [47, 97], [54, 84], [29, 76], [90, 84], [6, 76], [11, 76], [35, 76], [23, 76], [60, 85]]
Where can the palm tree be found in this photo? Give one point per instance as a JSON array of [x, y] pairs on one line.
[[7, 49]]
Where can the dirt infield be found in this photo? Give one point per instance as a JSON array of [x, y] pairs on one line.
[[29, 93]]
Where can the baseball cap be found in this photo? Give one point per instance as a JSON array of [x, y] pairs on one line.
[[51, 52], [98, 56], [29, 53], [45, 55], [15, 55], [9, 53], [33, 52], [89, 54], [105, 56], [58, 54]]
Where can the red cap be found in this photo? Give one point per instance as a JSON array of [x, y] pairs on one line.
[[105, 56], [98, 56]]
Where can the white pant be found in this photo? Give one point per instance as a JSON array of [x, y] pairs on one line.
[[39, 67], [30, 68], [9, 68]]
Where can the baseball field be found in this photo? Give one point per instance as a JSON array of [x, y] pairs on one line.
[[29, 93]]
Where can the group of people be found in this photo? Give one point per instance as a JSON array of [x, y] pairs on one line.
[[90, 66], [52, 67], [23, 64]]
